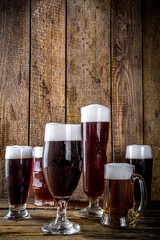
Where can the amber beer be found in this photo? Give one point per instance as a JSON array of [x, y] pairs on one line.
[[118, 192], [95, 130], [42, 194], [118, 204], [141, 156]]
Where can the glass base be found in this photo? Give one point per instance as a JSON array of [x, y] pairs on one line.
[[91, 212], [17, 212], [118, 223], [44, 203], [63, 228]]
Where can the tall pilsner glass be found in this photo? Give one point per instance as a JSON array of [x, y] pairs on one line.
[[62, 166], [95, 130]]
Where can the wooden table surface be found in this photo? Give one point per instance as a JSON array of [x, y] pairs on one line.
[[148, 226]]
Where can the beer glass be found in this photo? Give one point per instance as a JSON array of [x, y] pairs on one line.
[[119, 211], [62, 166], [18, 171], [95, 130], [42, 194], [141, 156]]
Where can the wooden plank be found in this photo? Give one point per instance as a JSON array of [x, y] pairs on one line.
[[14, 77], [88, 59], [127, 110], [151, 81], [147, 226], [47, 102]]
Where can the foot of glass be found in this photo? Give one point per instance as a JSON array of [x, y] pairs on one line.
[[118, 223], [93, 210], [17, 212], [64, 228], [44, 203]]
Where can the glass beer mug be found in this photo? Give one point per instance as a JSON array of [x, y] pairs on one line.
[[118, 205]]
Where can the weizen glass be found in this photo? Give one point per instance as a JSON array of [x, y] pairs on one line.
[[118, 204], [43, 196], [18, 171], [142, 158], [95, 130], [62, 166]]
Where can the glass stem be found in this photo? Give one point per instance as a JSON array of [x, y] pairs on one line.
[[61, 211], [93, 202]]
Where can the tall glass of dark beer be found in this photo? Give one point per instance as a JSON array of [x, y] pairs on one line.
[[62, 166], [118, 204], [43, 196], [18, 171], [141, 156], [95, 130]]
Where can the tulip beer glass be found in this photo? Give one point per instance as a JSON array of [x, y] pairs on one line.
[[18, 171], [118, 205], [62, 165], [95, 130]]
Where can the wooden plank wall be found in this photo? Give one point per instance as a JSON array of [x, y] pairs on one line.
[[57, 56]]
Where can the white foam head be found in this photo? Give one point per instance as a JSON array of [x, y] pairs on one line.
[[37, 152], [62, 132], [118, 171], [18, 152], [139, 152], [95, 113]]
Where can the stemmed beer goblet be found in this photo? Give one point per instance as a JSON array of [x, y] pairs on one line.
[[62, 165]]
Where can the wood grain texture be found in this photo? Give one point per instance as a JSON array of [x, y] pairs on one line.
[[148, 226], [88, 59], [127, 109], [14, 77], [47, 102], [151, 83]]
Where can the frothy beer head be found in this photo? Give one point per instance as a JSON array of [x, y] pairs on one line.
[[62, 132], [118, 171], [37, 152], [139, 152], [95, 113], [18, 152]]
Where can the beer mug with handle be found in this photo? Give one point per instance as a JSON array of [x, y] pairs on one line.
[[119, 181]]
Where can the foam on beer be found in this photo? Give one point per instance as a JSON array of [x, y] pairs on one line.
[[95, 113], [118, 171], [62, 132], [18, 152], [37, 152], [139, 152]]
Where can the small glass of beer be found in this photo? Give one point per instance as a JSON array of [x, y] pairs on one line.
[[95, 130], [42, 194], [18, 171], [142, 158], [118, 204], [62, 166]]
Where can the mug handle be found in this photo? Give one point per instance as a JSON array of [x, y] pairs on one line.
[[143, 202]]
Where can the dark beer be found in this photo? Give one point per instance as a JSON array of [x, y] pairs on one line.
[[18, 169], [94, 140], [62, 166], [42, 194], [141, 157]]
